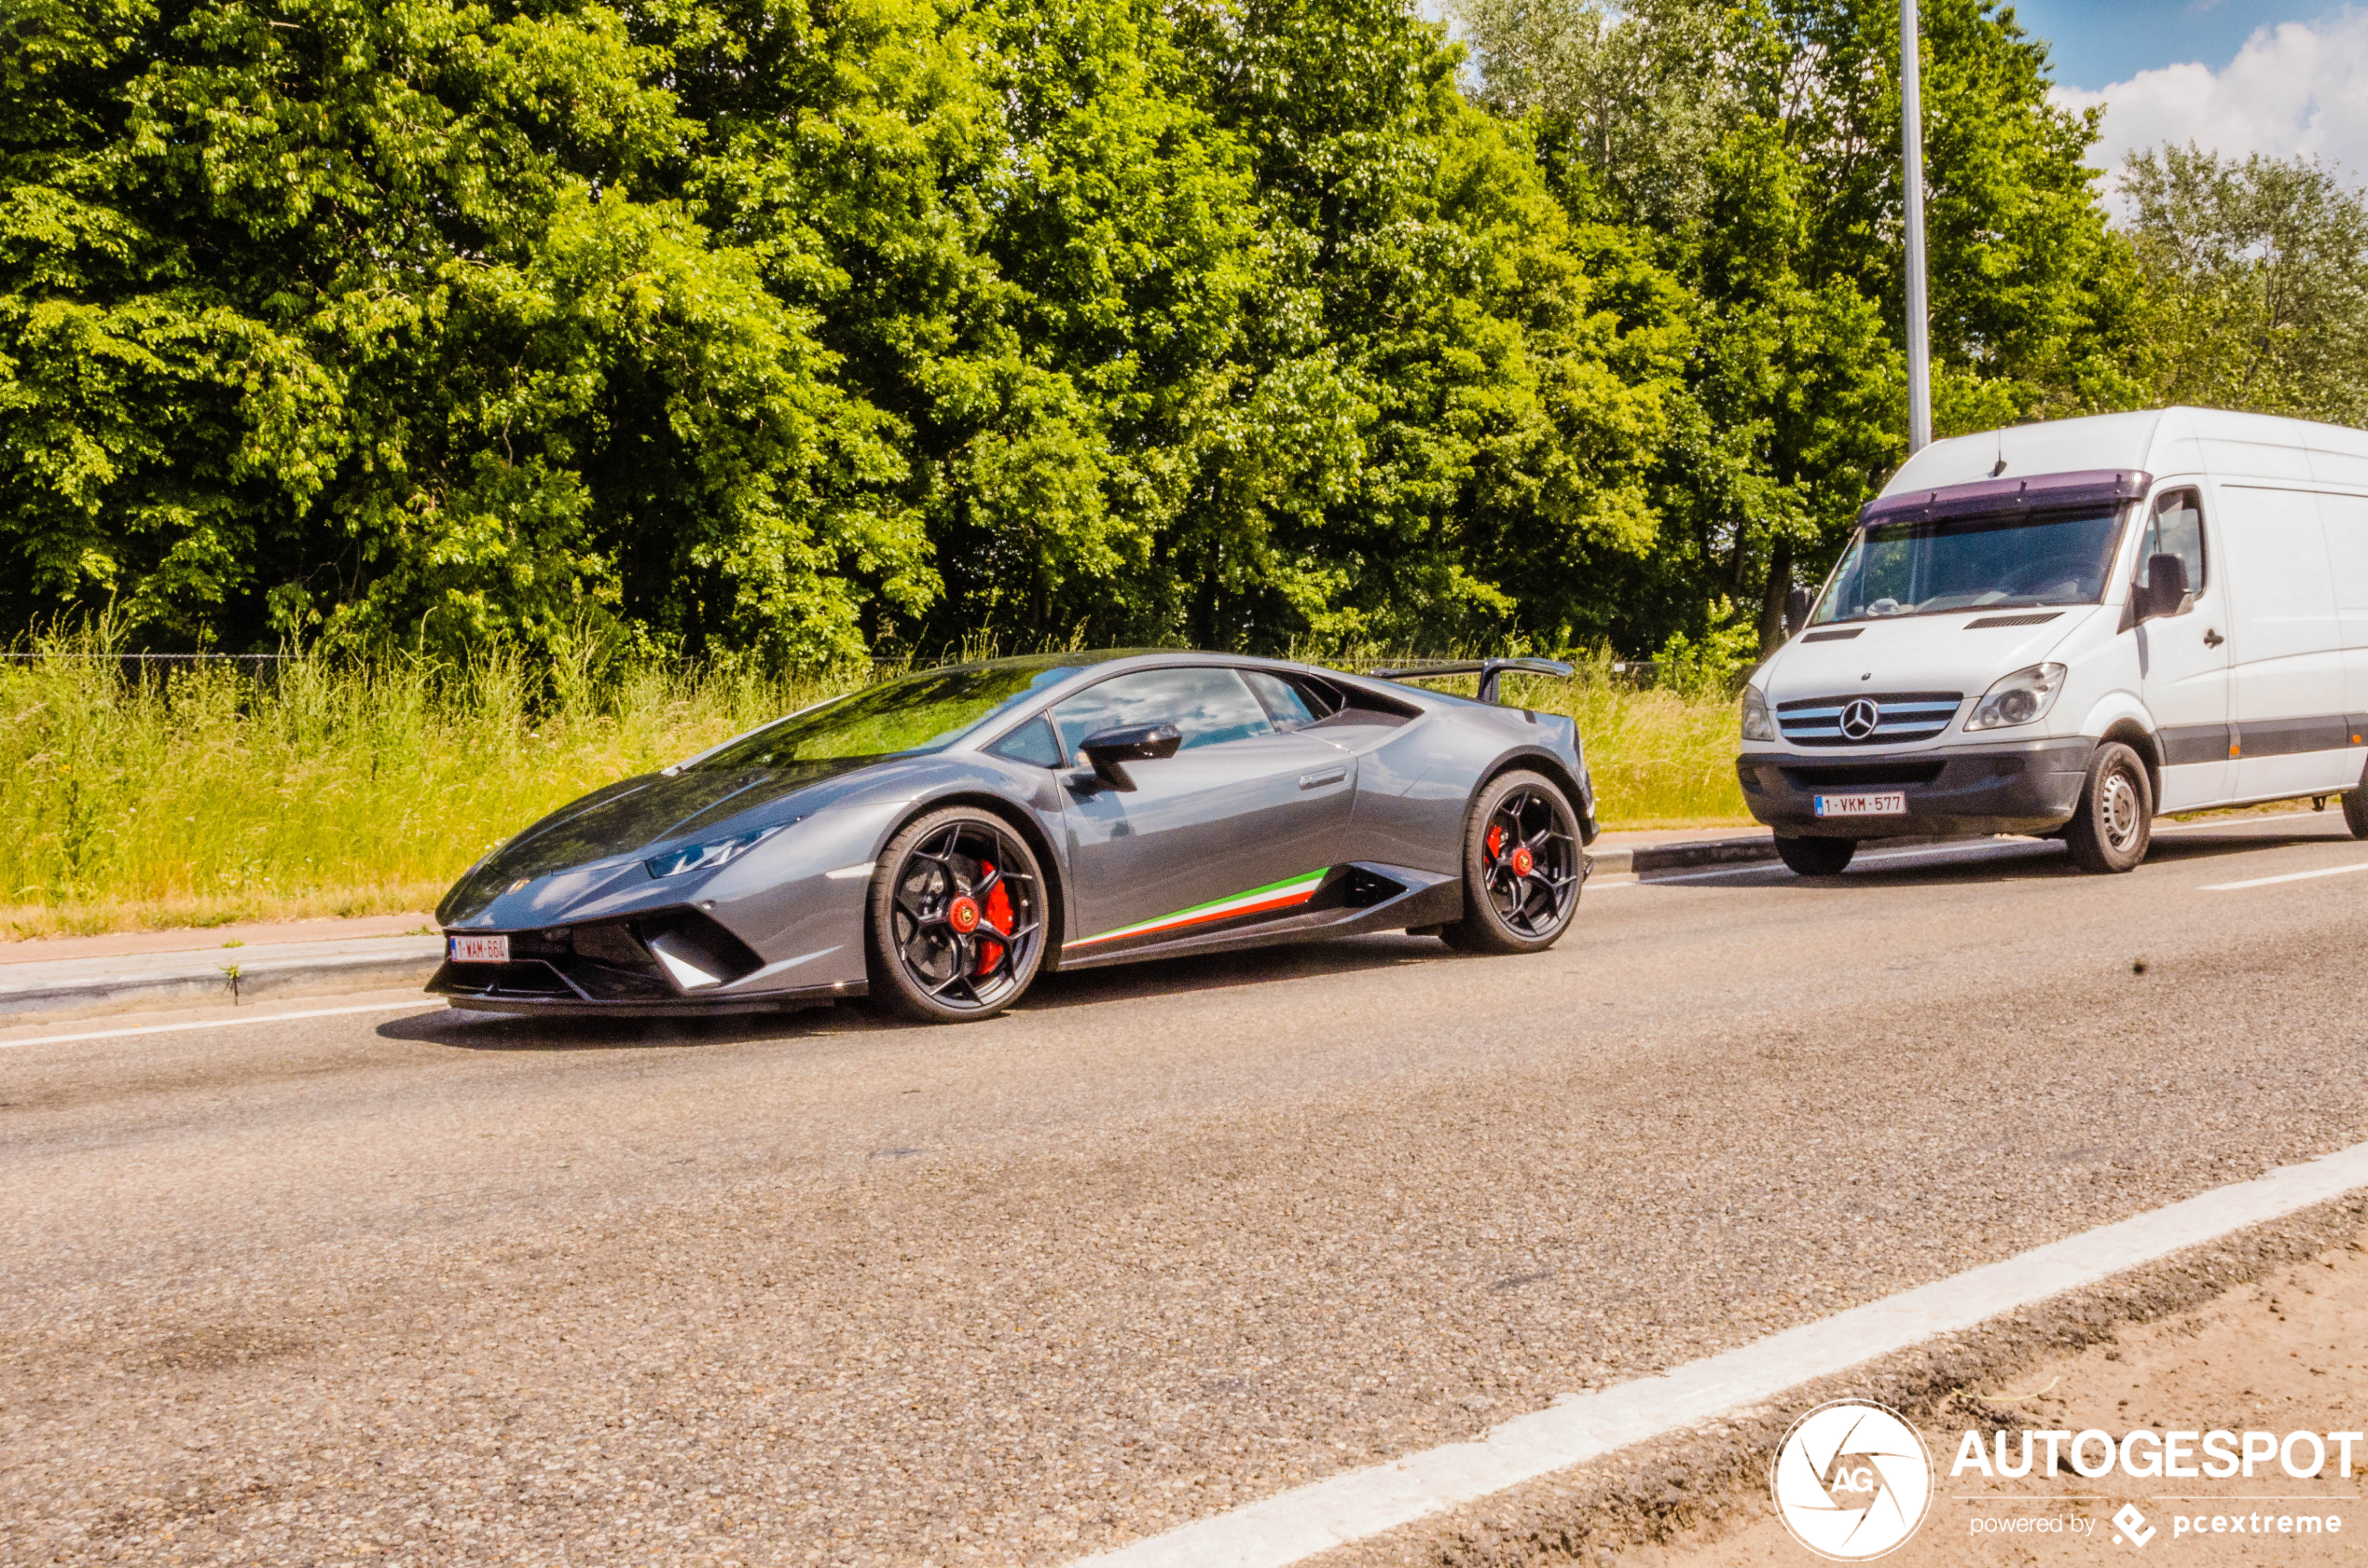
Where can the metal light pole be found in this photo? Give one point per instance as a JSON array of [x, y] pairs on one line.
[[1912, 137]]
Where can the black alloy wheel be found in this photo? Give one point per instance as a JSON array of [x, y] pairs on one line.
[[957, 917], [1521, 867]]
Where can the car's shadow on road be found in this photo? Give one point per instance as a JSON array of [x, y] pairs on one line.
[[468, 1029], [2010, 861]]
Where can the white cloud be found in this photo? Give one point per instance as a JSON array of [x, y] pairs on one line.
[[2299, 87]]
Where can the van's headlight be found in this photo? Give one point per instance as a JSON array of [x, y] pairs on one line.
[[702, 857], [1757, 725], [2021, 698]]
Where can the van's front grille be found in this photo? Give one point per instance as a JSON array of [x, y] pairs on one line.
[[1868, 718]]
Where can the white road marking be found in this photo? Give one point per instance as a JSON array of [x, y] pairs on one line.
[[219, 1023], [2289, 876], [1579, 1427]]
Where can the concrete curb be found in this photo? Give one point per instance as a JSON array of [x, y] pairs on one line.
[[207, 979], [1682, 857]]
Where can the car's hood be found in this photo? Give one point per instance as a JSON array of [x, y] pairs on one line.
[[1915, 653], [638, 812]]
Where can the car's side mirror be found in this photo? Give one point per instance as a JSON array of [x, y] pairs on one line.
[[2166, 589], [1105, 750], [1798, 604]]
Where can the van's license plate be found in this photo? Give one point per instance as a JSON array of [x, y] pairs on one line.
[[1894, 804], [477, 950]]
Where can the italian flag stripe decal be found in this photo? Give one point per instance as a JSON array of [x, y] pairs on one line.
[[1274, 895]]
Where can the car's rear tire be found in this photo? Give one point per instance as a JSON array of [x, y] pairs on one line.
[[2115, 822], [1816, 856], [957, 919], [1522, 867]]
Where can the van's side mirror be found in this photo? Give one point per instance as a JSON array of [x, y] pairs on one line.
[[1798, 604], [1105, 750], [2166, 590]]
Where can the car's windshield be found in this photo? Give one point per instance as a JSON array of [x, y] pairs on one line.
[[1922, 567], [915, 713]]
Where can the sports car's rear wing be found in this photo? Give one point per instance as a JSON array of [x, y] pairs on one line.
[[1489, 670]]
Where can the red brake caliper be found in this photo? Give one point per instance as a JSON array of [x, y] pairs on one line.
[[999, 919], [1495, 838]]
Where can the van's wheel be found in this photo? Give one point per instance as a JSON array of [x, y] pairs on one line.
[[2356, 809], [1520, 868], [2115, 822], [958, 914], [1816, 856]]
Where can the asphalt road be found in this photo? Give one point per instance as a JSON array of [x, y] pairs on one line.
[[447, 1288]]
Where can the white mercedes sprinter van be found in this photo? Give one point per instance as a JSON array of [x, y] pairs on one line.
[[2064, 629]]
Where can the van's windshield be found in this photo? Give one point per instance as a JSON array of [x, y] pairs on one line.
[[1972, 563]]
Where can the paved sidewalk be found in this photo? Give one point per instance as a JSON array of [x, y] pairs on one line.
[[189, 939], [74, 987]]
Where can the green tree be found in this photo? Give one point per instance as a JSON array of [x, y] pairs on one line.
[[398, 307], [2258, 279], [1473, 387], [1752, 150]]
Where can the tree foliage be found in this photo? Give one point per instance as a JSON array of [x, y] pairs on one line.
[[1752, 150], [2259, 275], [803, 328]]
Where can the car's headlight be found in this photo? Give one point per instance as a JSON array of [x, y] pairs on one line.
[[702, 857], [1757, 724], [2021, 698]]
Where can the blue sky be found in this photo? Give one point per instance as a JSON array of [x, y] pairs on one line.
[[2100, 42], [2235, 77]]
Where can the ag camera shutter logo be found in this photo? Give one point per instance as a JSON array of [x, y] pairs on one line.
[[1852, 1480]]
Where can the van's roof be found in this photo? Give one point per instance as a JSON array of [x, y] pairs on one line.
[[2164, 442]]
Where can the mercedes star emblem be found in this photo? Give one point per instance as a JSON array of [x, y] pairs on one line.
[[1860, 718]]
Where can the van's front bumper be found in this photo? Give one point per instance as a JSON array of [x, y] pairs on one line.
[[2024, 787]]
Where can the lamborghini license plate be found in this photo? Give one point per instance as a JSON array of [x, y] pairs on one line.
[[477, 950], [1892, 803]]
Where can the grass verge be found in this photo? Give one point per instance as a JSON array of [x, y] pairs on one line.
[[207, 796]]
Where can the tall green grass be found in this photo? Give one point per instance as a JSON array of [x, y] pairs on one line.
[[337, 787]]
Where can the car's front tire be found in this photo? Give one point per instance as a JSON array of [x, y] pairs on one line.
[[2356, 808], [957, 917], [1816, 856], [1521, 867], [2115, 822]]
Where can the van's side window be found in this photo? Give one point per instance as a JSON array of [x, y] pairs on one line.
[[2176, 527]]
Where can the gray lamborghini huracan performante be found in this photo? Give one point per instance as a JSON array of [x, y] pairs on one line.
[[937, 841]]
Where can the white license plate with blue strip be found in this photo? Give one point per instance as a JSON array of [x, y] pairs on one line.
[[477, 950], [1892, 803]]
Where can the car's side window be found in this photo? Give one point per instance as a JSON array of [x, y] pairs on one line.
[[2175, 527], [1032, 742], [1284, 703], [1209, 705]]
